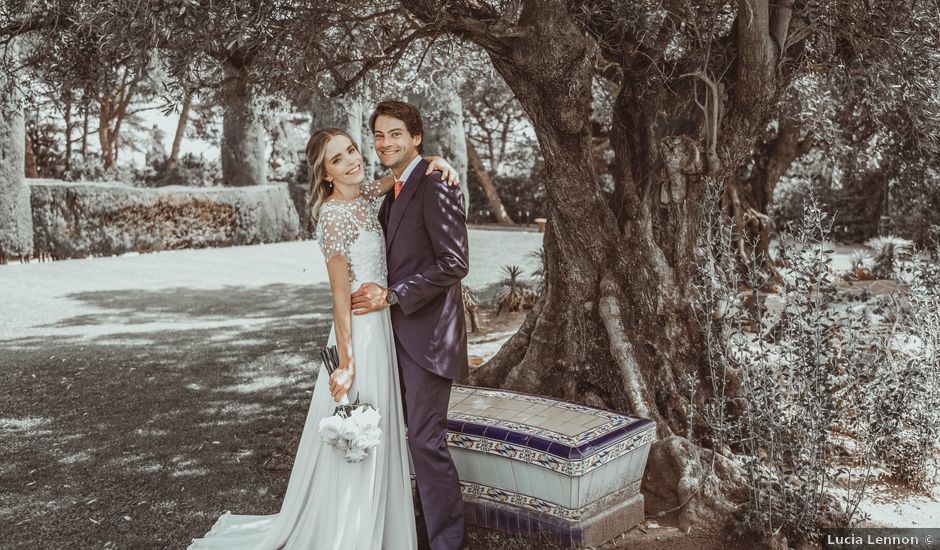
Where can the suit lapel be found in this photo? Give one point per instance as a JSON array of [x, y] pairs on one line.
[[401, 203], [384, 210]]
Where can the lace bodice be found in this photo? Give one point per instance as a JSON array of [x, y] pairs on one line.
[[351, 229]]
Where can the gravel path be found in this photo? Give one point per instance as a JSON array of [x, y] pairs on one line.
[[50, 300]]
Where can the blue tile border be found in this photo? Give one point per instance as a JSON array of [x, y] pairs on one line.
[[477, 491], [520, 505]]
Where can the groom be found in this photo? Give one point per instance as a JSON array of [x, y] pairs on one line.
[[426, 244]]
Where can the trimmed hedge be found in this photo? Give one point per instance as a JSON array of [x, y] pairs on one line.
[[80, 219]]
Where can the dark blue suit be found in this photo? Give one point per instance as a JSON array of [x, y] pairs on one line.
[[426, 243]]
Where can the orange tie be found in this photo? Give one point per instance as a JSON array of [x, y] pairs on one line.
[[398, 185]]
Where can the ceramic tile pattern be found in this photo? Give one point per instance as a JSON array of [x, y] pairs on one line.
[[540, 464]]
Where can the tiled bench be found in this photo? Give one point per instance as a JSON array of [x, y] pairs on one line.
[[545, 468]]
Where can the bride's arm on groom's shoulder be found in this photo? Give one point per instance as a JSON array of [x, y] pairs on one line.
[[376, 188], [448, 172], [446, 221]]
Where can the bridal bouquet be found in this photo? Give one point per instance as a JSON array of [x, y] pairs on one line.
[[352, 429]]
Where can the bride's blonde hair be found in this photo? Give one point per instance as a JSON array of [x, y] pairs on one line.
[[320, 188]]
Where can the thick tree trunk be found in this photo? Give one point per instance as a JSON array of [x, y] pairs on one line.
[[85, 133], [180, 132], [67, 116], [444, 132], [597, 335], [16, 218], [243, 139], [343, 113], [616, 324], [104, 134], [486, 183], [30, 158]]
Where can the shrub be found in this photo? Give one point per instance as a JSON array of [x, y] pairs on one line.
[[804, 376], [910, 442], [92, 169], [889, 250], [189, 171], [861, 262], [43, 136], [514, 294], [915, 209], [540, 272], [522, 196]]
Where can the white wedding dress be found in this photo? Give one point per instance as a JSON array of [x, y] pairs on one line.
[[330, 504]]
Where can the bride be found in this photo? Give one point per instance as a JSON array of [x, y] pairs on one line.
[[331, 504]]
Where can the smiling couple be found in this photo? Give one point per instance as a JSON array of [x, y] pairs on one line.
[[401, 340]]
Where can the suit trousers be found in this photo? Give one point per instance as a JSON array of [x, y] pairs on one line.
[[426, 397]]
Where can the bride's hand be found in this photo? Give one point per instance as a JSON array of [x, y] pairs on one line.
[[448, 173], [340, 382]]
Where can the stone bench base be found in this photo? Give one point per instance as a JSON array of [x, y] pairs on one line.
[[619, 513]]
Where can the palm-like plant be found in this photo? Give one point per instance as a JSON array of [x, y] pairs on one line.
[[539, 273], [888, 251], [515, 295]]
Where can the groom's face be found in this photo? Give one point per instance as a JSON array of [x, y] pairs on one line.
[[395, 146]]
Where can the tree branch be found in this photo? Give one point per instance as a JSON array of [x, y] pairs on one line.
[[392, 52], [780, 25], [756, 56], [711, 120]]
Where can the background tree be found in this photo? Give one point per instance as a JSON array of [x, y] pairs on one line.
[[784, 140], [181, 125], [16, 219], [441, 107], [243, 144], [496, 126], [870, 116]]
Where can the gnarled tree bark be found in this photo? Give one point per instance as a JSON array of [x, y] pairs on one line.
[[615, 326]]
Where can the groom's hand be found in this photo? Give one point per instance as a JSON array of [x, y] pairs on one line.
[[370, 297]]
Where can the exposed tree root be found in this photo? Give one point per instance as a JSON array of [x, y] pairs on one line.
[[696, 485]]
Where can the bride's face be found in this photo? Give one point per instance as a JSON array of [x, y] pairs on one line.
[[342, 161]]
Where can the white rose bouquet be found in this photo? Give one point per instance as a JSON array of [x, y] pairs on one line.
[[352, 429]]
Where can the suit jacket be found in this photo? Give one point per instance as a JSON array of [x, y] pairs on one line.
[[427, 249]]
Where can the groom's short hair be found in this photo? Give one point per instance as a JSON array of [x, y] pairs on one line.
[[404, 112]]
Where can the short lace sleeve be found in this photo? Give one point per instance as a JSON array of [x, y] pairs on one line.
[[371, 190], [336, 230]]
